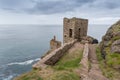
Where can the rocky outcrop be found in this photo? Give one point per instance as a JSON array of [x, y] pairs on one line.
[[54, 44], [115, 46], [111, 39], [110, 46], [89, 39]]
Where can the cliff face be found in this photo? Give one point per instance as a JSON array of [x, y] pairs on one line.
[[110, 46]]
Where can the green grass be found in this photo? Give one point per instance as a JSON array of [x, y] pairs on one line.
[[64, 69], [69, 61], [32, 75], [67, 65], [116, 38], [64, 75], [113, 59], [107, 65], [116, 28]]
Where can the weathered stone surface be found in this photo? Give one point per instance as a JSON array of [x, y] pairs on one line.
[[111, 38], [117, 34], [117, 42], [95, 72], [54, 44], [90, 40], [106, 43], [90, 59], [54, 56], [74, 28], [110, 45], [115, 48]]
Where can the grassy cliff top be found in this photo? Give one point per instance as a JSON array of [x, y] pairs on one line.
[[65, 69], [110, 50]]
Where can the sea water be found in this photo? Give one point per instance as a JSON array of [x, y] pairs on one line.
[[23, 45]]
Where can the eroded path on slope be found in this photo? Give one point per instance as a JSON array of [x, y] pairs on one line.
[[94, 73], [90, 67]]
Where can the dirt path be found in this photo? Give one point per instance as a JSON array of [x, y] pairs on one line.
[[83, 71], [94, 72], [89, 69], [89, 64], [76, 46]]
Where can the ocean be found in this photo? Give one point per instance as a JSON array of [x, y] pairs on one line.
[[23, 45]]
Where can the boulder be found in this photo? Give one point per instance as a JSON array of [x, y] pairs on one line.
[[110, 46], [95, 41], [115, 48], [111, 39], [89, 39]]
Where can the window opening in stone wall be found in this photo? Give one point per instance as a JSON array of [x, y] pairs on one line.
[[70, 32], [68, 21]]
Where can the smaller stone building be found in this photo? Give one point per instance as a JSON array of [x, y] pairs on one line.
[[54, 44], [74, 28]]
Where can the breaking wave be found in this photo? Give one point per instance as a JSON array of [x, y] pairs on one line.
[[9, 77], [24, 63]]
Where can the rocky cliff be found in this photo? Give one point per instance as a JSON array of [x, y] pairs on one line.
[[110, 46], [81, 63]]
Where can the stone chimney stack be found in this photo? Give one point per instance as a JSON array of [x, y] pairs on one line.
[[54, 38], [54, 44]]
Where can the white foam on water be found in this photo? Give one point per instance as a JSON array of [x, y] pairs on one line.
[[9, 77], [24, 63]]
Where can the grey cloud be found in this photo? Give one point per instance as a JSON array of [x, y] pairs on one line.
[[106, 4], [42, 6], [51, 7], [55, 6]]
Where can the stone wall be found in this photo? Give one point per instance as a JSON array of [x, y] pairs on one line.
[[54, 56], [77, 25], [58, 53], [68, 24], [54, 44], [81, 27], [85, 63]]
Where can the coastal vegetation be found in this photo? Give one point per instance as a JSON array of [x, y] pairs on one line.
[[108, 52], [107, 65], [69, 68], [64, 69]]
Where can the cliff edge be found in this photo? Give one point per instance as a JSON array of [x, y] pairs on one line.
[[81, 59], [109, 54]]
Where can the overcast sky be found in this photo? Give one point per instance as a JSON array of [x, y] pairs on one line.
[[53, 11]]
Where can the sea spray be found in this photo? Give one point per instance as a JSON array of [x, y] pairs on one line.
[[9, 75], [24, 63]]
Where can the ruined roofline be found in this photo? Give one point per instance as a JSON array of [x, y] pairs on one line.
[[74, 18]]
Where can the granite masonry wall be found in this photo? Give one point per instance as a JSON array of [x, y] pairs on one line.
[[74, 28], [58, 53], [54, 56], [54, 44]]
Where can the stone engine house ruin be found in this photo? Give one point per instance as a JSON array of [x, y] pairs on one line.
[[54, 44], [74, 28]]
